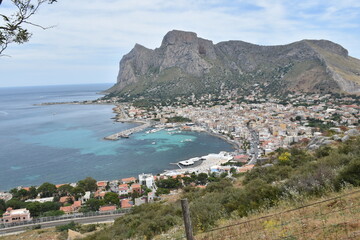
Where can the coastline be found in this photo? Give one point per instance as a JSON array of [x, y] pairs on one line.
[[139, 121]]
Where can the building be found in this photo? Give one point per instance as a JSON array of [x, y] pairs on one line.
[[136, 188], [126, 203], [107, 208], [18, 215], [73, 208], [147, 180], [123, 189], [86, 197], [128, 180], [41, 200]]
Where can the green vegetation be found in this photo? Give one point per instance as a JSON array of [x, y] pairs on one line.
[[295, 174], [88, 184]]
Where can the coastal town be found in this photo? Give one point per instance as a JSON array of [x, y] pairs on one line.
[[255, 128]]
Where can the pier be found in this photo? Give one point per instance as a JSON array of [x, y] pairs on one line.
[[128, 132]]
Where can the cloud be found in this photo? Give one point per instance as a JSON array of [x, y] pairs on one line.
[[98, 33]]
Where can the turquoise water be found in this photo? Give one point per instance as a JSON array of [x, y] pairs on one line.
[[64, 143]]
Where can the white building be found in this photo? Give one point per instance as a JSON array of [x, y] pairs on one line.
[[147, 180]]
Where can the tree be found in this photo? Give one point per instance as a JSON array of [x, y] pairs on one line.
[[65, 190], [47, 189], [34, 208], [111, 198], [2, 206], [78, 192], [32, 192], [93, 204], [15, 204], [88, 184], [202, 178], [12, 28]]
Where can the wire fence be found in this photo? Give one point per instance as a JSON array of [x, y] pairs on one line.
[[334, 218], [62, 217]]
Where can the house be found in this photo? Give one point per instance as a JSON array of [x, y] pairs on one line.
[[107, 208], [241, 158], [18, 215], [66, 199], [86, 197], [128, 180], [102, 185], [126, 203], [73, 208], [123, 189], [151, 196], [135, 188], [246, 168], [147, 180], [99, 194], [67, 209]]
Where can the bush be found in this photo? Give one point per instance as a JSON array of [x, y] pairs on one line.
[[72, 225], [88, 228], [350, 174]]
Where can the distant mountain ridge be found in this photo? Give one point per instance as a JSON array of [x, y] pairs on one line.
[[185, 64]]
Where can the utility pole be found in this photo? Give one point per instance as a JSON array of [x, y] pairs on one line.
[[187, 219]]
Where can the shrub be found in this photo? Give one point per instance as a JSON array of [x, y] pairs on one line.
[[350, 174], [72, 225]]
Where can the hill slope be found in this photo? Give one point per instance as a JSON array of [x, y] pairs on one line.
[[186, 64]]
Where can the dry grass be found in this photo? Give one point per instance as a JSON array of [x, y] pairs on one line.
[[41, 234], [333, 218]]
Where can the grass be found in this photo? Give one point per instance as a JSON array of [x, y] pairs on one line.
[[41, 234], [334, 217]]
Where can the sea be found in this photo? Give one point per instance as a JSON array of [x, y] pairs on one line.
[[64, 143]]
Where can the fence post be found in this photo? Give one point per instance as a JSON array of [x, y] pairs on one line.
[[187, 220]]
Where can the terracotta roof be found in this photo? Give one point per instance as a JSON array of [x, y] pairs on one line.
[[67, 209], [135, 186], [26, 188], [246, 168], [107, 208], [101, 183], [77, 204], [123, 186], [99, 194], [127, 180], [65, 199], [59, 185], [125, 203]]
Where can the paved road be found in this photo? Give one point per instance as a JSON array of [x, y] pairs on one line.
[[254, 145], [84, 220]]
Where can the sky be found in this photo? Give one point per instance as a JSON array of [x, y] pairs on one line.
[[90, 37]]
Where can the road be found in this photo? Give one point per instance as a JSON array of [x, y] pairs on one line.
[[254, 145], [84, 220]]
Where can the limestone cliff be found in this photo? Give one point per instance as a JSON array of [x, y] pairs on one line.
[[185, 64]]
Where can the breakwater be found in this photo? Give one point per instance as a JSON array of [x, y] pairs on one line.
[[128, 132]]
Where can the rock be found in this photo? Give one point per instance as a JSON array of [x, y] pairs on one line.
[[185, 64], [327, 142], [313, 147], [336, 138], [352, 132], [345, 138]]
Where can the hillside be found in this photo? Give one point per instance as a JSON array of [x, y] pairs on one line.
[[185, 64], [288, 180]]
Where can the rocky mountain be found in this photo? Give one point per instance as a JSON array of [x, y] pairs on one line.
[[185, 64]]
